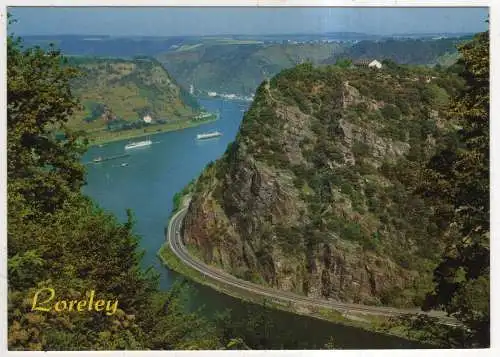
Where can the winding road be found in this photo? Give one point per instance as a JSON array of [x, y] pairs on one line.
[[175, 241]]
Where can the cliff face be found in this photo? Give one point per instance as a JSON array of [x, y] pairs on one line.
[[316, 195]]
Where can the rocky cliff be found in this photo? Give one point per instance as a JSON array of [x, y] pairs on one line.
[[316, 194]]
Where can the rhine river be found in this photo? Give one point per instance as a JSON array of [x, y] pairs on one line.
[[147, 186]]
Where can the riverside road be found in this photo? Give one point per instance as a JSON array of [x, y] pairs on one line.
[[175, 241]]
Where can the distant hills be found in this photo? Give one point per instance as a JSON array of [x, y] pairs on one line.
[[240, 68], [129, 46], [403, 51], [239, 63], [107, 46], [103, 45]]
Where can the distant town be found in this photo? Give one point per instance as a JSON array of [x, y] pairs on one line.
[[348, 41], [214, 94], [231, 96]]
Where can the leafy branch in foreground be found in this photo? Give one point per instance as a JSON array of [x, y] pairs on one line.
[[460, 176], [59, 239]]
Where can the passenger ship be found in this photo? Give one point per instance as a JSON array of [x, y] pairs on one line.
[[213, 134], [138, 144]]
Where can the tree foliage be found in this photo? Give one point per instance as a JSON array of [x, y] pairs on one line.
[[459, 175], [59, 239], [43, 172]]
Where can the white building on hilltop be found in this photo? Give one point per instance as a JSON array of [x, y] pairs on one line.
[[368, 63], [375, 64], [147, 118]]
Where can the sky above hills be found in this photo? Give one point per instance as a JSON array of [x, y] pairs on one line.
[[143, 21]]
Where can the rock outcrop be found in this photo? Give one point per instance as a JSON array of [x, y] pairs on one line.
[[312, 198]]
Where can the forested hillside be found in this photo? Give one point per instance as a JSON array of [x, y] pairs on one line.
[[352, 184], [315, 194], [116, 94], [405, 51], [239, 68]]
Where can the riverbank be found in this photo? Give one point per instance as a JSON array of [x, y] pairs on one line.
[[374, 324], [105, 136], [175, 159], [227, 97], [368, 322]]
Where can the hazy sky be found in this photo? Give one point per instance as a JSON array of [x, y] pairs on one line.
[[207, 21]]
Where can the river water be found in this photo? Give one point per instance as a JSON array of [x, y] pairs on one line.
[[147, 185]]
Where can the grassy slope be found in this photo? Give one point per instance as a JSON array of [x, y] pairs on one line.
[[129, 89]]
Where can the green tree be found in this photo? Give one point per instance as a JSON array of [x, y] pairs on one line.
[[58, 238], [460, 177], [43, 172], [343, 62]]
